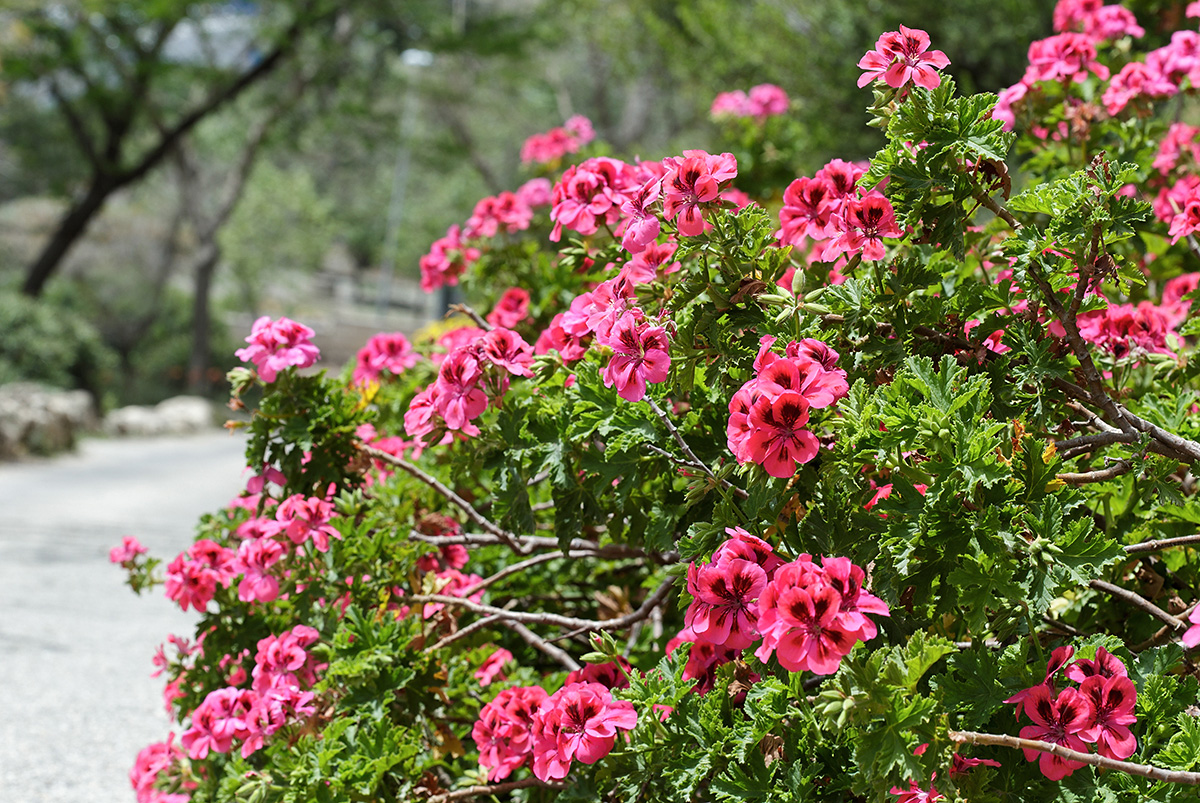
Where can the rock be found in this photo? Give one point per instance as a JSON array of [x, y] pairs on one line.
[[181, 415], [39, 420]]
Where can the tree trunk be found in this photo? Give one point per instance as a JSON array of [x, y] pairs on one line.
[[201, 353], [72, 227]]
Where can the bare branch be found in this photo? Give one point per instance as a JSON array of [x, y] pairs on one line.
[[1164, 634], [525, 564], [1085, 443], [474, 515], [1162, 543], [1094, 759], [491, 789], [469, 311], [1140, 602], [557, 620], [1099, 475], [996, 209], [539, 643], [740, 493], [533, 543]]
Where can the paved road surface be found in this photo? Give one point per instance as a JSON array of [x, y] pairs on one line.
[[75, 643]]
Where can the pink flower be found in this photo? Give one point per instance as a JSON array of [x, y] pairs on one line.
[[503, 732], [590, 195], [864, 223], [640, 355], [742, 544], [506, 349], [579, 721], [535, 192], [127, 552], [1057, 720], [389, 352], [492, 666], [703, 659], [459, 399], [448, 258], [807, 633], [645, 265], [511, 309], [1106, 665], [767, 100], [641, 224], [1113, 699], [723, 611], [730, 104], [692, 183], [808, 208], [915, 794], [903, 56], [1180, 138], [777, 438], [302, 519], [217, 721], [150, 765], [810, 616], [1135, 80], [1066, 57], [1004, 104], [254, 559], [276, 345]]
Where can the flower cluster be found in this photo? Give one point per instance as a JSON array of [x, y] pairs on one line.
[[276, 345], [831, 210], [283, 668], [158, 765], [386, 351], [192, 578], [767, 415], [127, 553], [558, 142], [511, 309], [525, 725], [471, 375], [808, 615], [448, 258], [761, 102], [1098, 712]]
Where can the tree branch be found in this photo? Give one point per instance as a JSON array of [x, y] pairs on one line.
[[1099, 475], [1164, 634], [740, 493], [492, 789], [1095, 759], [474, 515], [1162, 543], [1140, 602], [539, 643], [557, 620]]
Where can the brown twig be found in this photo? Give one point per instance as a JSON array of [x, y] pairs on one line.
[[533, 543], [1095, 759], [474, 515], [996, 209], [1084, 443], [507, 571], [740, 493], [1162, 543], [1165, 633], [544, 618], [539, 643], [470, 312], [1140, 602], [490, 789], [1099, 475]]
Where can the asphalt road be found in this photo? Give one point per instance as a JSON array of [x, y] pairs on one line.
[[75, 643]]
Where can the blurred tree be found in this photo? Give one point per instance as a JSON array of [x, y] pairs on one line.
[[131, 79]]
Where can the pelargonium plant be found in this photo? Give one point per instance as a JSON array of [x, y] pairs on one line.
[[873, 485]]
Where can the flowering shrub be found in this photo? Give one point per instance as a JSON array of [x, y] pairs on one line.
[[723, 499]]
